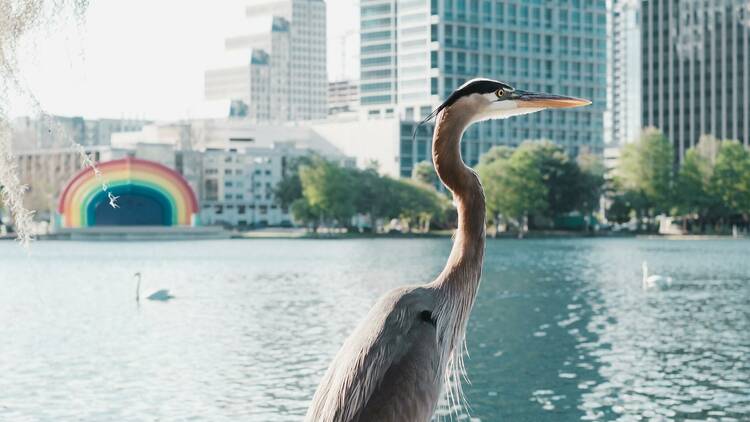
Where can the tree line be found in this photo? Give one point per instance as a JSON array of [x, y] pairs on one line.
[[323, 193], [708, 190], [537, 183], [527, 186]]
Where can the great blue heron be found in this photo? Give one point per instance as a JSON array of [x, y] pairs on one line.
[[393, 366], [162, 295], [654, 280]]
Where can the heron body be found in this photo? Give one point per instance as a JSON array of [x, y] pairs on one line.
[[394, 366]]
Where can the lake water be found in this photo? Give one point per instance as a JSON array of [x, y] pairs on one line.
[[561, 331]]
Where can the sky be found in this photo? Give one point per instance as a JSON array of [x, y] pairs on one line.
[[146, 58]]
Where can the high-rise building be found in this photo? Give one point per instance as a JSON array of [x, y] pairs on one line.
[[60, 131], [414, 53], [279, 70], [623, 119], [696, 65], [343, 96]]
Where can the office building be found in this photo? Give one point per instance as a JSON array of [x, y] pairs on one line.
[[415, 53], [343, 97], [61, 131], [278, 71], [696, 65], [623, 120]]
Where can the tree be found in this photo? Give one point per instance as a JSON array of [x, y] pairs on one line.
[[500, 152], [289, 189], [620, 209], [730, 181], [418, 202], [304, 214], [591, 183], [328, 191], [562, 177], [424, 172], [647, 169], [693, 194], [332, 194], [569, 185], [708, 148], [514, 186]]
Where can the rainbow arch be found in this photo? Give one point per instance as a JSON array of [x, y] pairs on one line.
[[84, 193]]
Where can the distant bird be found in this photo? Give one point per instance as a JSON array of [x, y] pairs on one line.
[[394, 365], [113, 201], [160, 295], [654, 281]]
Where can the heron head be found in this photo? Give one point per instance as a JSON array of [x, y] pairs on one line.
[[489, 99]]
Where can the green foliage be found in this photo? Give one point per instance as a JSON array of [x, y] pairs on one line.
[[711, 186], [425, 172], [591, 183], [620, 211], [646, 170], [565, 181], [539, 178], [290, 188], [500, 152], [328, 190], [330, 194], [417, 202], [730, 181], [303, 213], [692, 188], [514, 186]]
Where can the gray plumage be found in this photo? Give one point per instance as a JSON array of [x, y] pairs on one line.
[[410, 345]]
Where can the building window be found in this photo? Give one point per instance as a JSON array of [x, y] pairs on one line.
[[211, 189]]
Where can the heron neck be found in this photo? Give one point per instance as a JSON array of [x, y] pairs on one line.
[[464, 265]]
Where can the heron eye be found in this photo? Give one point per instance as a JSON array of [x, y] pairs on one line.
[[500, 92]]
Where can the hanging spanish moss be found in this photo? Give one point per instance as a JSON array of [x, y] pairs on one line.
[[19, 19]]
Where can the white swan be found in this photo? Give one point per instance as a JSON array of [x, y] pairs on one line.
[[654, 281], [160, 295]]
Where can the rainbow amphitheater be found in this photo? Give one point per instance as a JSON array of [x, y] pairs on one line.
[[146, 194]]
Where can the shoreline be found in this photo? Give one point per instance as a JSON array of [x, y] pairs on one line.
[[278, 234]]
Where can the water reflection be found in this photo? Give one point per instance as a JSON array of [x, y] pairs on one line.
[[561, 331], [676, 354]]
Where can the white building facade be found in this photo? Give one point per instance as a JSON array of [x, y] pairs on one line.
[[623, 118]]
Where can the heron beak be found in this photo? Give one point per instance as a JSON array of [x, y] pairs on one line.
[[525, 99]]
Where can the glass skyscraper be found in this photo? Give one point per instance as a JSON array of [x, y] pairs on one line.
[[414, 53], [277, 69], [696, 65]]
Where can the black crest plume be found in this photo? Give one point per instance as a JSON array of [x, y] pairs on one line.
[[474, 86]]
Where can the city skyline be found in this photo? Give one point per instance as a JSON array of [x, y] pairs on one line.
[[149, 73]]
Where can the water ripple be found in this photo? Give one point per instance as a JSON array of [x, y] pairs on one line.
[[561, 330]]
